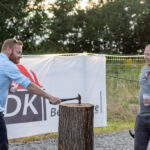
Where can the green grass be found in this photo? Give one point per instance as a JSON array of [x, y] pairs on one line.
[[35, 138], [114, 126]]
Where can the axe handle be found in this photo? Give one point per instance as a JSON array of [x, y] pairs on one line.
[[67, 99]]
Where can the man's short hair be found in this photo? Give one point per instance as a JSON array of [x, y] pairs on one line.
[[9, 43]]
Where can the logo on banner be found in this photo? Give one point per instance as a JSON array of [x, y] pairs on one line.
[[23, 106]]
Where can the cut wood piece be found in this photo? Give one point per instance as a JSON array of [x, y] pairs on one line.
[[75, 126]]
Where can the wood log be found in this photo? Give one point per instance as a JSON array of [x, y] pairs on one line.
[[75, 127]]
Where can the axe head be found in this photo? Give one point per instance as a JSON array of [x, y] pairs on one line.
[[79, 98]]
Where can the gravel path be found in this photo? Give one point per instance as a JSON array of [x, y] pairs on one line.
[[108, 141]]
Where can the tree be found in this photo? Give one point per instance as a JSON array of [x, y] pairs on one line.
[[61, 24], [106, 27], [142, 28], [23, 21], [111, 27]]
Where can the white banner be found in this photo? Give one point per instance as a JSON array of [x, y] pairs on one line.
[[62, 76]]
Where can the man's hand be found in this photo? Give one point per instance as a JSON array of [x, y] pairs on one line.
[[146, 101], [54, 100]]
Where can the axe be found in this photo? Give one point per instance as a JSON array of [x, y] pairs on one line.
[[69, 99]]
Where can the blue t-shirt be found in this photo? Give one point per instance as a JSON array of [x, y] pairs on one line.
[[8, 73]]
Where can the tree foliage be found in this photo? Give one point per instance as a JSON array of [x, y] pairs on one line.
[[23, 21], [112, 26]]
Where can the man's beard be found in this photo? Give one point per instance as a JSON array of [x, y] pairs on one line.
[[13, 59]]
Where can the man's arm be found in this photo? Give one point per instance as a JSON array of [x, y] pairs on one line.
[[33, 88]]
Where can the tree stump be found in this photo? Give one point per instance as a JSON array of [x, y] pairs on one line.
[[75, 127]]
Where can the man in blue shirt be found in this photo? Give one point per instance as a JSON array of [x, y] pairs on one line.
[[11, 53]]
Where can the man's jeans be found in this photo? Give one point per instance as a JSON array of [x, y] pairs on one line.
[[142, 132], [3, 133]]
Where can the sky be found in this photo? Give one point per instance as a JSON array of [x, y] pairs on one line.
[[83, 3]]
